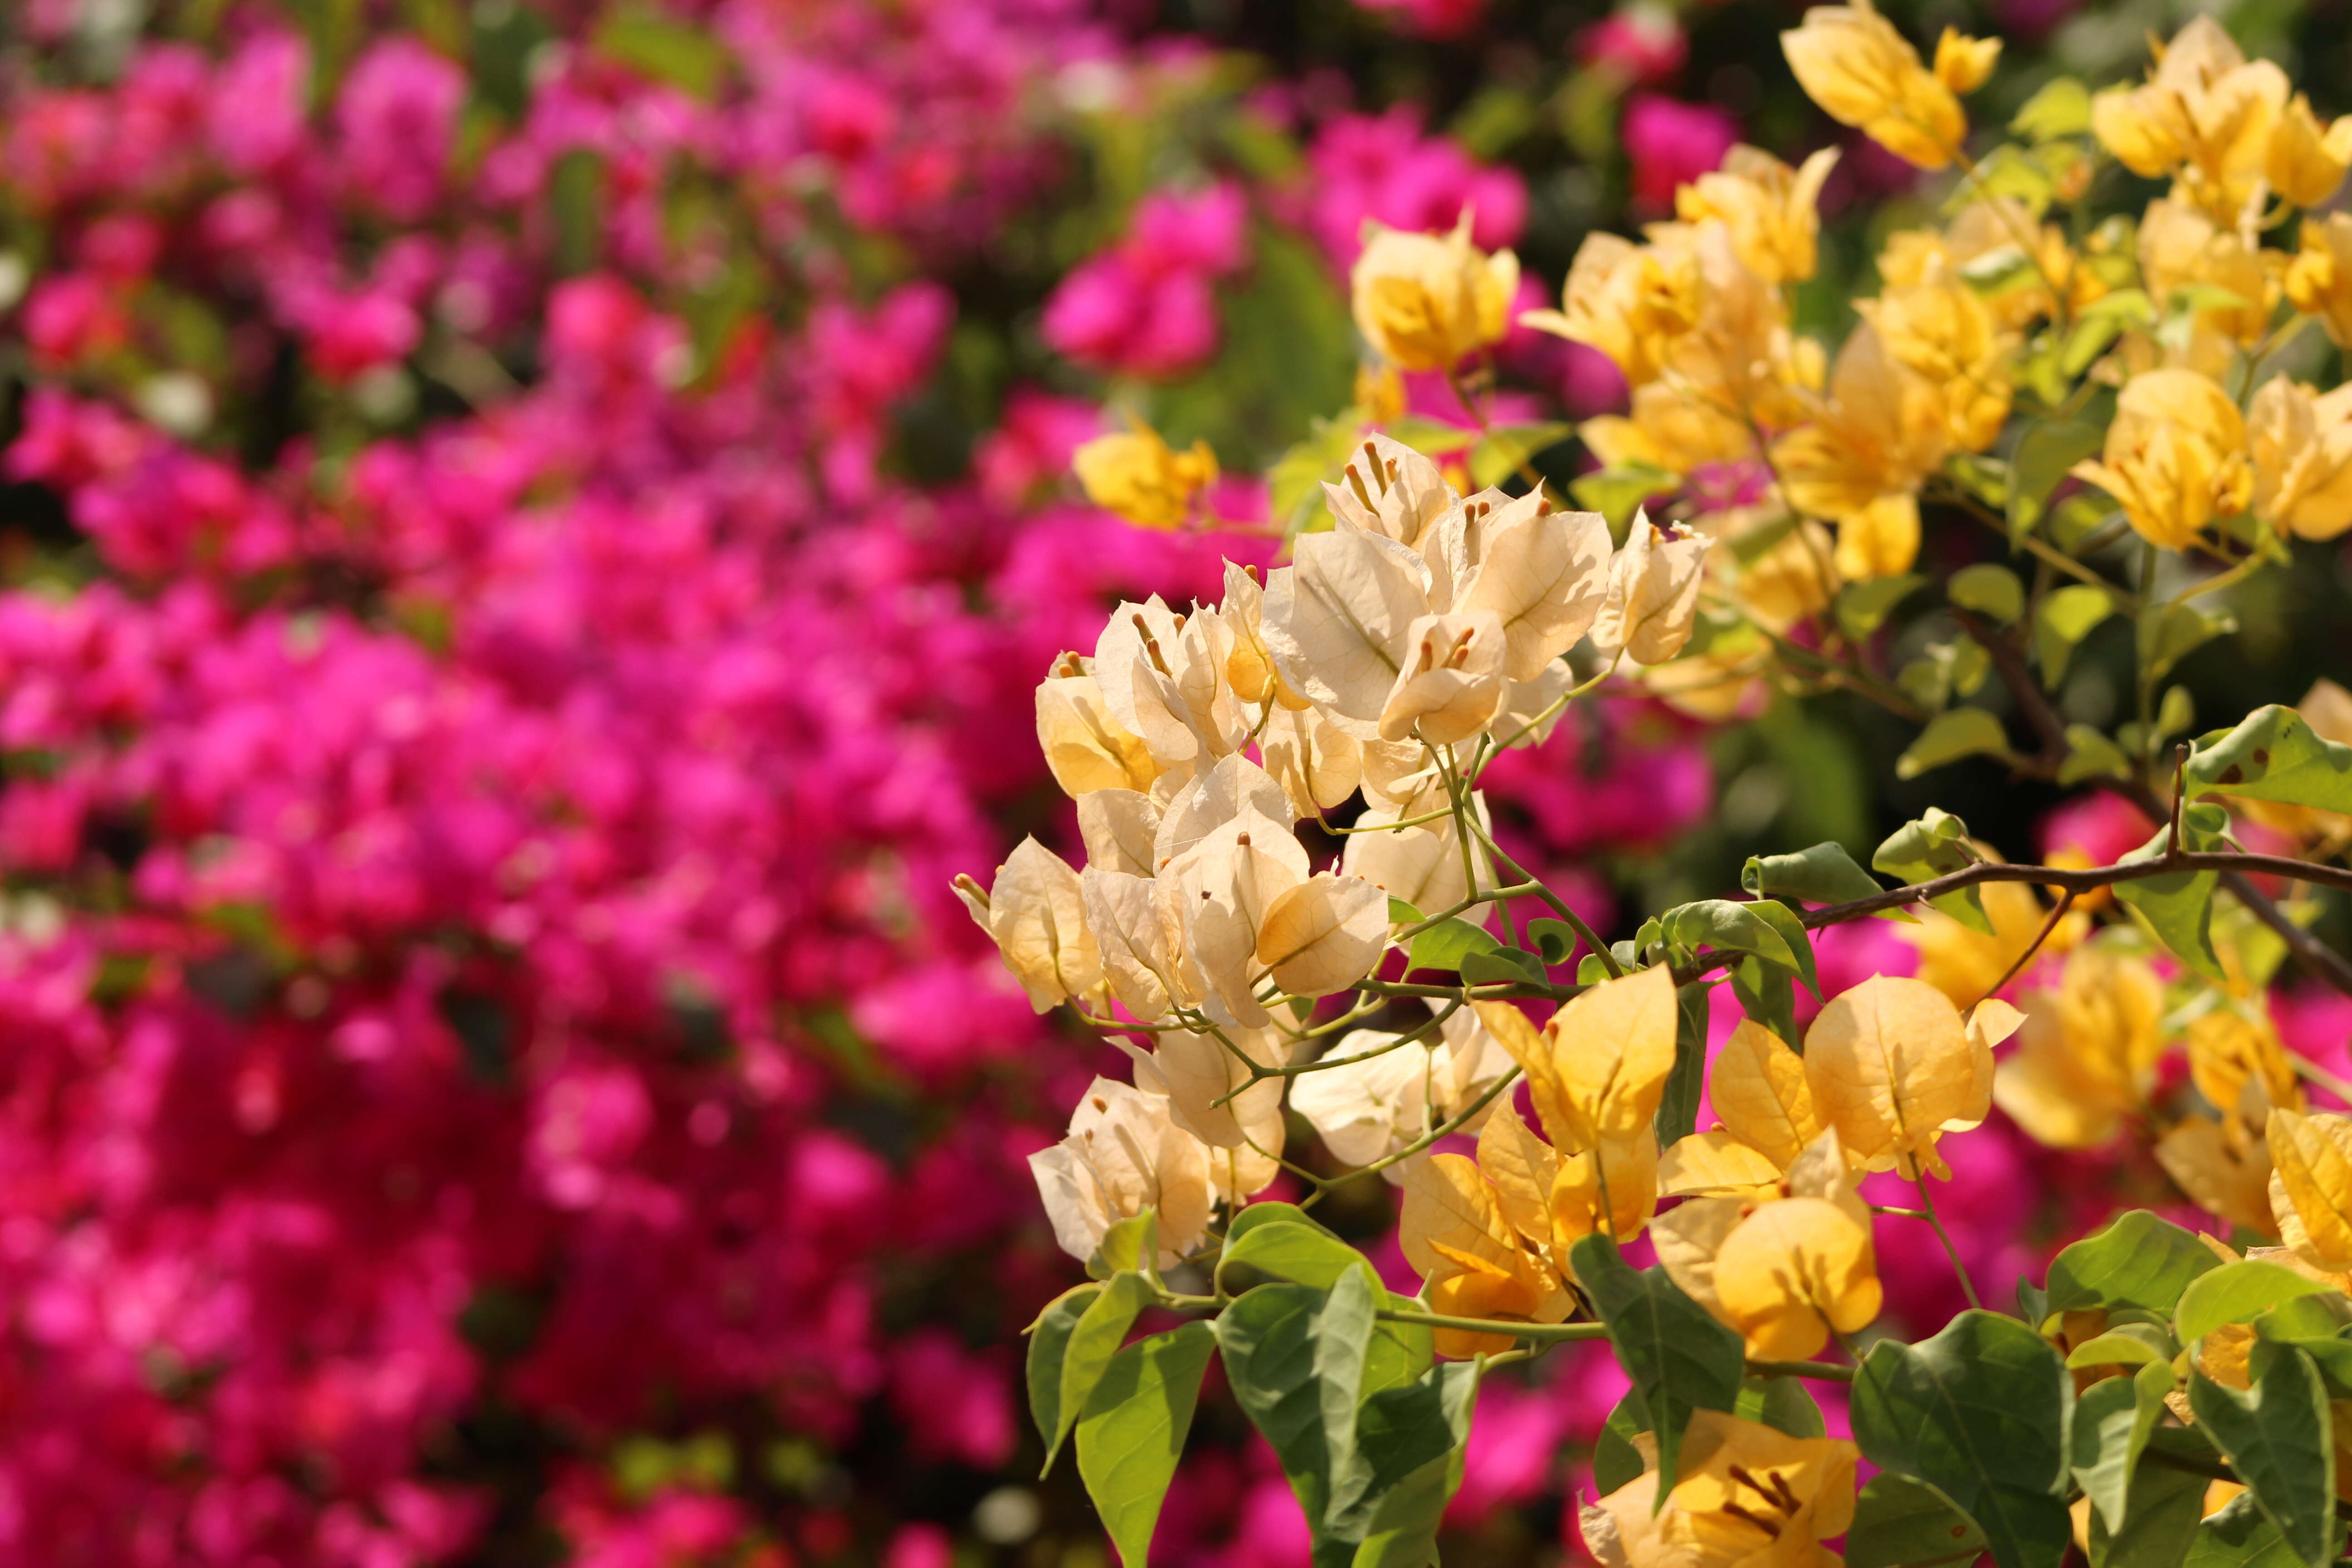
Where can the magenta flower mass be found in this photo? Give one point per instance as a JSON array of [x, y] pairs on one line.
[[532, 531]]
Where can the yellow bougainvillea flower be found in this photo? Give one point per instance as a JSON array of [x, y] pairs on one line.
[[2175, 457], [1749, 1496], [1771, 210], [2238, 1065], [1136, 474], [1893, 1066], [1610, 1187], [2086, 1054], [1669, 429], [1795, 580], [1424, 300], [1964, 963], [1945, 331], [2311, 1185], [1761, 1096], [2319, 279], [1851, 61], [1086, 749], [1785, 1261], [1472, 1259], [2182, 248], [1965, 64], [1036, 910], [1598, 1069], [2204, 114], [1884, 428], [2220, 1169], [1451, 684], [2301, 442], [2307, 159], [1628, 300]]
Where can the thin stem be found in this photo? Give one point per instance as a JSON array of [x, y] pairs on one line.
[[1928, 1205], [1557, 905], [2065, 902]]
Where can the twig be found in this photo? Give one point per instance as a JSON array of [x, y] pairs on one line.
[[2065, 902], [1928, 1205]]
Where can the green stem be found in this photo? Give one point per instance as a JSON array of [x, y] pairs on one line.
[[1928, 1205]]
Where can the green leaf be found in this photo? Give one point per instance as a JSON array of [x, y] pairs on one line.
[[1295, 1356], [2112, 1421], [1617, 492], [1249, 1217], [2066, 616], [2047, 450], [1677, 1114], [653, 45], [1782, 1404], [2136, 1260], [1400, 1432], [1445, 944], [2237, 1293], [2169, 633], [2240, 1536], [1998, 270], [1294, 479], [1049, 1338], [1899, 1521], [2159, 1525], [1679, 1357], [1402, 913], [2091, 755], [1429, 437], [1728, 927], [1133, 1432], [2178, 906], [1989, 590], [1502, 966], [1297, 1253], [1092, 1342], [1507, 448], [2273, 755], [1402, 1530], [1399, 1351], [2126, 1344], [1615, 1460], [1130, 1247], [2062, 106], [2278, 1439], [1824, 874], [1863, 608], [1932, 845], [1950, 735], [1555, 939], [1768, 994], [1978, 1411]]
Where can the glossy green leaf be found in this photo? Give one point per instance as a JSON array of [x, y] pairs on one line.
[[2112, 1421], [1677, 1114], [1505, 448], [1399, 1432], [2159, 1524], [1502, 966], [1302, 1255], [2237, 1293], [1768, 994], [1618, 492], [2178, 906], [1295, 1356], [2241, 1536], [2278, 1439], [2091, 755], [2170, 633], [1977, 1412], [1863, 608], [1268, 1211], [2044, 453], [1402, 1530], [1729, 927], [2067, 616], [2128, 1344], [1931, 846], [1049, 1338], [1092, 1341], [1129, 1247], [1615, 1460], [1990, 589], [1679, 1357], [2137, 1259], [1898, 1520], [1782, 1404], [1445, 944], [1402, 913], [1555, 940], [2061, 106], [1429, 437], [2273, 755], [1955, 734], [1133, 1432], [1824, 874]]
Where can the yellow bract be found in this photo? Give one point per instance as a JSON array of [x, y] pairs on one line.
[[2302, 445], [2311, 1185], [1598, 1069], [2205, 116], [1424, 300], [2085, 1054], [1136, 475], [1748, 1497], [1770, 208], [2319, 279], [1454, 1230], [2175, 457], [1853, 62], [1760, 1094], [1893, 1068]]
